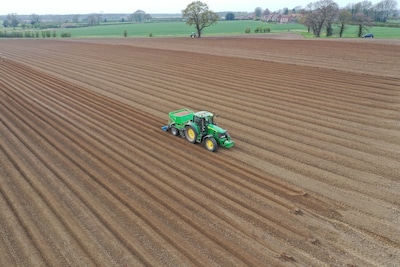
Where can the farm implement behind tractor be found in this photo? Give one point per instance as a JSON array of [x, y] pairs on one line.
[[198, 127]]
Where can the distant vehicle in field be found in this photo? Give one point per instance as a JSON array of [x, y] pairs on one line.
[[368, 35], [198, 127], [193, 35]]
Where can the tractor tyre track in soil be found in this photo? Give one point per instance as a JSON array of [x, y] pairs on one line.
[[88, 178]]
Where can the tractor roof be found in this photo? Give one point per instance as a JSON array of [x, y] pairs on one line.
[[203, 114]]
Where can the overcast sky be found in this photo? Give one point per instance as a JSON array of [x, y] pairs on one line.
[[42, 7]]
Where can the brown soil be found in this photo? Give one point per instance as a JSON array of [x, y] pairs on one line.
[[87, 176]]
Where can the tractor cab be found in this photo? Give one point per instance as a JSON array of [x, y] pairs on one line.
[[207, 128], [203, 119]]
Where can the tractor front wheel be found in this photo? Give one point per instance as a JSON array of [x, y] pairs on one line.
[[191, 134], [210, 144]]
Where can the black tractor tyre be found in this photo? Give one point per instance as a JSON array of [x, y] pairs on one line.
[[191, 134], [174, 131]]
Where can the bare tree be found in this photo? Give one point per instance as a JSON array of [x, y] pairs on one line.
[[35, 20], [344, 19], [147, 17], [297, 9], [363, 22], [311, 21], [364, 7], [11, 20], [285, 11], [384, 8], [321, 14], [75, 19], [138, 16], [258, 12], [230, 16], [94, 19], [266, 12], [307, 18]]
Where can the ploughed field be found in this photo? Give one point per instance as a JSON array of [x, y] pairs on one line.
[[88, 178]]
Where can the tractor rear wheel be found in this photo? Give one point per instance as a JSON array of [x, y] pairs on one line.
[[191, 134], [210, 144], [174, 131]]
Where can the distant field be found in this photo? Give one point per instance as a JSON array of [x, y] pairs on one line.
[[175, 29], [379, 32], [179, 29]]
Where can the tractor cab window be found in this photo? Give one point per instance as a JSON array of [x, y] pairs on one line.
[[201, 122], [209, 120]]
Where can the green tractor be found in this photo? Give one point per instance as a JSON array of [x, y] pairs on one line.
[[198, 127]]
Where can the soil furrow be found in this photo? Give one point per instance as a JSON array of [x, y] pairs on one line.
[[312, 179]]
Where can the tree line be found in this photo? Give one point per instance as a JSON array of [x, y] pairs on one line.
[[317, 16], [35, 21], [322, 15]]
